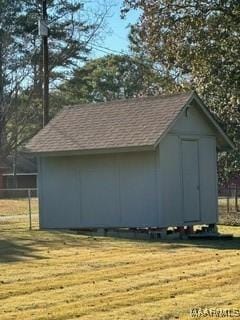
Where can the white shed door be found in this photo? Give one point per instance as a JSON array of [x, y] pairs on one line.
[[190, 178]]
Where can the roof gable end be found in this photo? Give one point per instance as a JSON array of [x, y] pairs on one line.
[[223, 141]]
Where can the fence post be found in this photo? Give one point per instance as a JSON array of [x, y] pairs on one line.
[[228, 195], [236, 198], [29, 209]]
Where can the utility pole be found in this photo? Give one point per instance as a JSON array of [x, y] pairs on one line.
[[2, 116], [43, 31]]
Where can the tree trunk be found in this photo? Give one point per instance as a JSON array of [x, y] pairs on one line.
[[15, 170], [2, 115]]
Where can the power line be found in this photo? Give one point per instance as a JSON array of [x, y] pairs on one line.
[[106, 50], [45, 65]]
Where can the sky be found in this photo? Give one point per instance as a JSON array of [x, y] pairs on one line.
[[117, 37]]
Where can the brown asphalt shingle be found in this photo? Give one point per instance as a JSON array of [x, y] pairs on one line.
[[116, 124]]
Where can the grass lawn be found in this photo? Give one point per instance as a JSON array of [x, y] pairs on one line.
[[57, 275], [14, 214], [17, 206]]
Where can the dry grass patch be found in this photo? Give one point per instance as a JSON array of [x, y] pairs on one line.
[[57, 275], [14, 214], [9, 207], [233, 216]]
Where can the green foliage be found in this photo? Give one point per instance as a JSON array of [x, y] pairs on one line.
[[21, 59], [197, 42], [114, 77], [68, 32]]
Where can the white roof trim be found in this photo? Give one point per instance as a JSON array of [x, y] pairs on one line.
[[213, 121]]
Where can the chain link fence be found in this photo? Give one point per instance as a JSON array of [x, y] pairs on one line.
[[19, 209], [229, 205]]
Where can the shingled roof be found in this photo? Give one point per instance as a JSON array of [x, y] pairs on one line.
[[133, 123]]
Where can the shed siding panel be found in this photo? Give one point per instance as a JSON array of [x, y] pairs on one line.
[[208, 180], [99, 191], [59, 191], [40, 187], [138, 190], [190, 180], [170, 191]]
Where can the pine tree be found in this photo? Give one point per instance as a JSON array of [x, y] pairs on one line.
[[70, 31]]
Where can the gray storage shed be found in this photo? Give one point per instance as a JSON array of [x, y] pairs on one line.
[[146, 162]]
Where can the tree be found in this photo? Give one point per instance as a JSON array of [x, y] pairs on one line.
[[198, 42], [9, 11], [113, 77], [72, 28]]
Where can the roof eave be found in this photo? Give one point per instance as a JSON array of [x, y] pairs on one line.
[[91, 151]]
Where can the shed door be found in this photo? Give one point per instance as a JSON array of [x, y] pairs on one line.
[[190, 179]]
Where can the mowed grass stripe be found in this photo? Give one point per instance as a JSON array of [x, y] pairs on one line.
[[112, 273], [148, 294], [170, 308], [67, 276], [78, 260], [129, 286]]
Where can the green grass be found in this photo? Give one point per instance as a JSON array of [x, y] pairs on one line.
[[60, 275]]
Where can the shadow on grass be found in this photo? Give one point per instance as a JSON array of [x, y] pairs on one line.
[[20, 246], [73, 238], [226, 244], [10, 251], [220, 244], [95, 240], [58, 239]]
